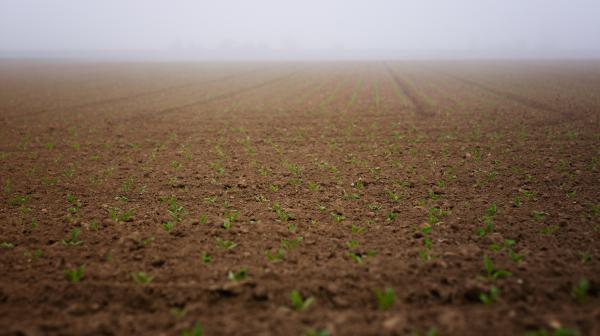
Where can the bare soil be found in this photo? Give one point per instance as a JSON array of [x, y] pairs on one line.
[[469, 189]]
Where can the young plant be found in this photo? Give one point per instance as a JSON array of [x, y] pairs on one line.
[[357, 229], [392, 216], [73, 240], [313, 332], [580, 291], [238, 276], [226, 244], [75, 275], [141, 278], [385, 298], [168, 226], [176, 211], [493, 273], [298, 303], [278, 256], [206, 258], [313, 186], [425, 253], [539, 215], [195, 331], [488, 220], [75, 205], [230, 217], [360, 257], [338, 217], [118, 216], [281, 214], [436, 215], [291, 244], [490, 297]]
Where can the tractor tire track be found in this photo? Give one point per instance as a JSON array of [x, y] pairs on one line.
[[561, 116], [421, 107], [125, 98], [527, 102], [217, 97]]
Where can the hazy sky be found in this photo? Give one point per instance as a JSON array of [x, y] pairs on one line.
[[307, 24]]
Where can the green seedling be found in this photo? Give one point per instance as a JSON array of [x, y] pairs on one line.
[[585, 257], [195, 331], [433, 195], [549, 230], [206, 258], [226, 244], [374, 207], [281, 214], [75, 275], [357, 229], [203, 218], [352, 196], [291, 244], [7, 245], [74, 238], [425, 253], [352, 244], [230, 217], [176, 211], [298, 303], [141, 278], [260, 198], [493, 273], [580, 291], [168, 226], [490, 297], [75, 205], [539, 215], [558, 332], [488, 220], [360, 257], [313, 186], [292, 228], [178, 313], [392, 216], [385, 298], [393, 196], [36, 254], [435, 215], [514, 256], [128, 185], [312, 332], [508, 245], [237, 276], [278, 256], [595, 213], [529, 194], [18, 200], [116, 215], [338, 217]]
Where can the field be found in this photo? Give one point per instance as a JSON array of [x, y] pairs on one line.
[[342, 198]]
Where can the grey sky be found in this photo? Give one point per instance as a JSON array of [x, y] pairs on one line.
[[333, 25]]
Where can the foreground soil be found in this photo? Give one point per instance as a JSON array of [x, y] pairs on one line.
[[142, 198]]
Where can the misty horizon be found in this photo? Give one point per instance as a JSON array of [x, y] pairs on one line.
[[309, 30]]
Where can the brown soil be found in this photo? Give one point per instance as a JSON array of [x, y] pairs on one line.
[[338, 180]]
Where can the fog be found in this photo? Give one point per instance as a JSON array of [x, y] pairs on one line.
[[309, 29]]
